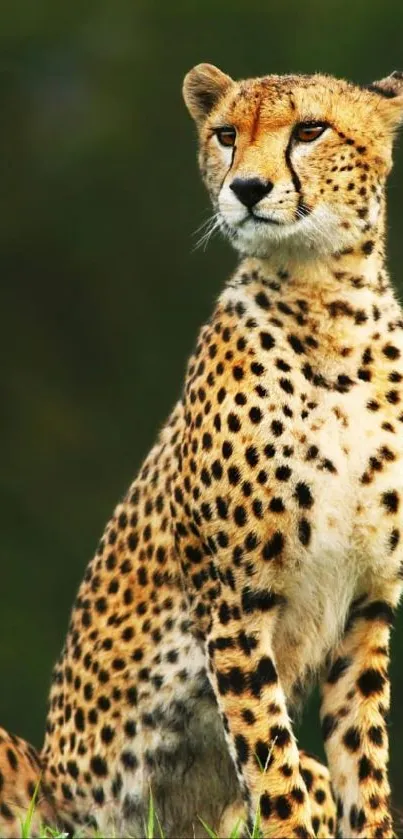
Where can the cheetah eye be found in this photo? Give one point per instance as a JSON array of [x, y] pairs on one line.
[[226, 135], [305, 132]]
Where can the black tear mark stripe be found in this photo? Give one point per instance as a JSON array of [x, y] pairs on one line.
[[229, 168], [294, 177], [302, 209], [232, 157]]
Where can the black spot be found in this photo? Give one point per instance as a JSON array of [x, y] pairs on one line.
[[129, 760], [266, 807], [257, 368], [12, 759], [101, 605], [304, 532], [286, 385], [233, 680], [255, 415], [352, 739], [207, 441], [368, 247], [364, 768], [297, 794], [131, 695], [107, 734], [259, 600], [283, 807], [276, 505], [338, 669], [67, 793], [130, 728], [296, 344], [98, 795], [267, 341], [234, 475], [264, 674], [386, 92], [240, 516], [98, 766], [247, 643], [273, 546], [262, 300], [316, 825], [308, 778], [375, 734], [303, 495], [329, 725], [390, 500], [79, 720], [224, 613], [328, 465], [233, 422], [242, 748], [277, 428], [283, 473], [238, 372], [281, 735], [378, 610], [262, 753], [371, 681], [391, 352]]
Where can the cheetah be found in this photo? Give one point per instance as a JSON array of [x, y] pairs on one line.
[[21, 782], [260, 545]]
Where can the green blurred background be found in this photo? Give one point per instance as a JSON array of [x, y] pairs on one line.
[[102, 292]]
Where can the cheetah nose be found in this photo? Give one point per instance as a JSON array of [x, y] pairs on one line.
[[250, 190]]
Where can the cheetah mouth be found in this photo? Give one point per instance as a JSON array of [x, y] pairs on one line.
[[261, 219]]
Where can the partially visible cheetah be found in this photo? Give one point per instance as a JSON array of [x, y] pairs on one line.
[[261, 542], [20, 783]]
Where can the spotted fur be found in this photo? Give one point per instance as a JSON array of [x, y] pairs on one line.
[[21, 781], [260, 544]]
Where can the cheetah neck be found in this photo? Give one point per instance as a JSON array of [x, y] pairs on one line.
[[360, 269], [335, 305]]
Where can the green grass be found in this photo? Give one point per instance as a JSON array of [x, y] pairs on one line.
[[153, 828]]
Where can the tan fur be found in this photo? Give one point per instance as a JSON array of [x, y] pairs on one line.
[[260, 544], [21, 774]]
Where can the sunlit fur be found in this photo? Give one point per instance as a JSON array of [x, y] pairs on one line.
[[261, 542]]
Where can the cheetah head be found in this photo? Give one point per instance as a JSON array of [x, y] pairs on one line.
[[296, 162]]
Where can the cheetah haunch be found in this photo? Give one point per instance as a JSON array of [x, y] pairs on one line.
[[261, 542]]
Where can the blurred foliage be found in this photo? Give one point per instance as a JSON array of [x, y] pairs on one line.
[[102, 293]]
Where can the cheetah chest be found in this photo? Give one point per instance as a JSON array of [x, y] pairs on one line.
[[348, 493]]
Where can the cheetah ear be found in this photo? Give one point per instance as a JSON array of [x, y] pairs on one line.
[[203, 87], [390, 90]]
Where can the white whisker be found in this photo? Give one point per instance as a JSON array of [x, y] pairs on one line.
[[212, 225]]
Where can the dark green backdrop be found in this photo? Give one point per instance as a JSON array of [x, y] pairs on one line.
[[101, 292]]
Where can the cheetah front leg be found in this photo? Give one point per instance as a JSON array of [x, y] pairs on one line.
[[245, 679], [317, 780], [354, 707]]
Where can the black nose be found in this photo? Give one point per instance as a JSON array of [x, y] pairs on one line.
[[250, 190]]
